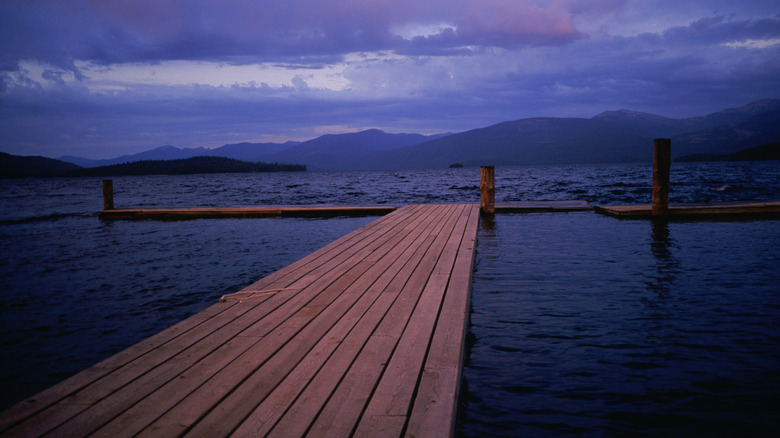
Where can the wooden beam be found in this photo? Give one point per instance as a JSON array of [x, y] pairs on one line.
[[174, 214], [487, 190], [662, 159], [708, 212], [108, 194]]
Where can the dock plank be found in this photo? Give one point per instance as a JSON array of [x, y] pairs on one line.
[[387, 411], [437, 395], [272, 332], [134, 361], [279, 400], [35, 405], [268, 376], [242, 212], [345, 340], [346, 384], [542, 206], [711, 211]]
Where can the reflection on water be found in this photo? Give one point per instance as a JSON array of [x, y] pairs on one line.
[[487, 224], [666, 265], [585, 325]]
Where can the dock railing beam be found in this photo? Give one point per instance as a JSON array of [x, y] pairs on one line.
[[662, 159], [487, 190], [108, 194]]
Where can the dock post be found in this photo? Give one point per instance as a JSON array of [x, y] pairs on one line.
[[662, 159], [487, 190], [108, 194]]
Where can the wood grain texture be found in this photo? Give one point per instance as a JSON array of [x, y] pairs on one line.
[[362, 337]]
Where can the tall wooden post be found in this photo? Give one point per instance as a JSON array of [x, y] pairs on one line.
[[487, 190], [662, 160], [108, 194]]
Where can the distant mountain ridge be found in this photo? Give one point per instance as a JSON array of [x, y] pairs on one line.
[[346, 151], [609, 137], [166, 152], [249, 151], [765, 152], [329, 151], [729, 138], [240, 151], [14, 166], [186, 166]]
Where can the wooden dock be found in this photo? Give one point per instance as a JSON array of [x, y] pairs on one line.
[[315, 211], [364, 337], [732, 210], [542, 206], [243, 212], [640, 211]]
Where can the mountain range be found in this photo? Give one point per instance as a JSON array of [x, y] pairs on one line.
[[239, 151], [612, 136], [13, 166]]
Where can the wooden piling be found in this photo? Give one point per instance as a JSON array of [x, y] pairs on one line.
[[662, 159], [487, 190], [108, 194]]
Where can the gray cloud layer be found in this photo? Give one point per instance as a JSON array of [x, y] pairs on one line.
[[88, 77]]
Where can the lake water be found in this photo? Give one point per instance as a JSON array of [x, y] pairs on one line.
[[584, 325], [581, 324]]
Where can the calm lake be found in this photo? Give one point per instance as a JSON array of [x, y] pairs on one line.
[[581, 324]]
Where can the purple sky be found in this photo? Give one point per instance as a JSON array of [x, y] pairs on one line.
[[102, 78]]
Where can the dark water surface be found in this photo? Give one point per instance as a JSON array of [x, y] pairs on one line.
[[78, 290], [587, 325], [581, 324]]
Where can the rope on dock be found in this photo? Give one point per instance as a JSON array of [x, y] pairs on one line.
[[253, 294]]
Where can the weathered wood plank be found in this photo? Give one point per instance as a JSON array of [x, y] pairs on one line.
[[331, 250], [542, 206], [234, 409], [74, 398], [273, 339], [342, 412], [133, 420], [116, 390], [437, 395], [737, 210], [240, 212], [308, 403], [40, 402], [386, 412], [273, 332], [335, 343]]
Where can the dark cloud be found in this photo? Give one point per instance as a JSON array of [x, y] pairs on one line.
[[718, 29], [101, 77], [116, 31]]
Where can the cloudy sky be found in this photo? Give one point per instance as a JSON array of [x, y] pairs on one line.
[[102, 78]]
